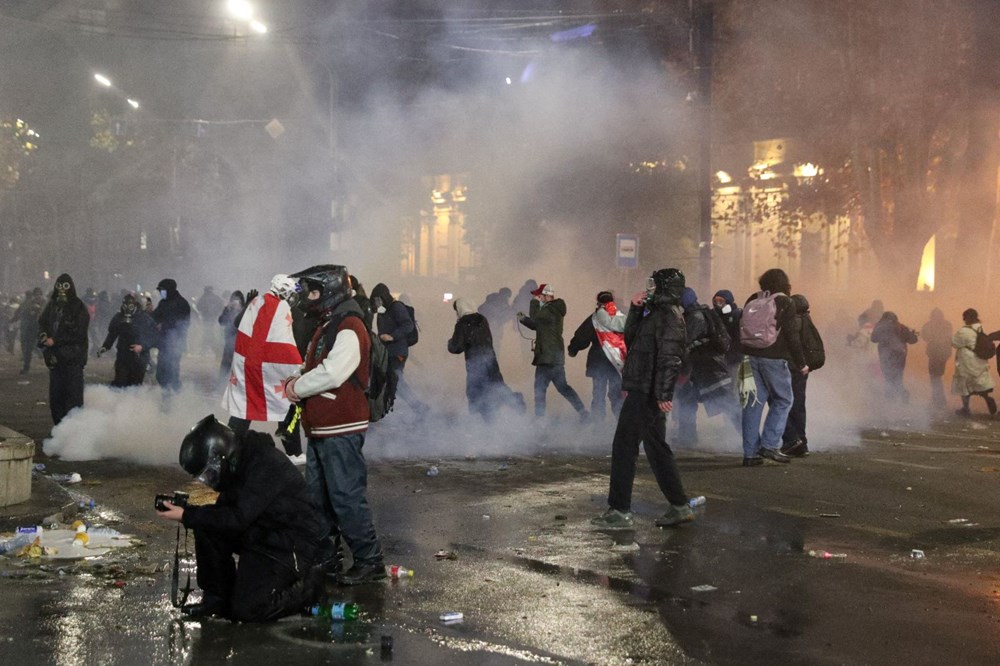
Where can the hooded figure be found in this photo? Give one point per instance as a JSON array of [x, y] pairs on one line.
[[227, 320], [937, 334], [63, 337], [484, 384], [794, 440], [172, 316], [603, 333], [892, 339], [136, 333], [394, 326], [725, 306]]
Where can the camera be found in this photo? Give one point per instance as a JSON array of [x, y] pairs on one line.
[[177, 499]]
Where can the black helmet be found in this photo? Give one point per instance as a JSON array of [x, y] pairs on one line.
[[666, 285], [207, 450], [332, 282]]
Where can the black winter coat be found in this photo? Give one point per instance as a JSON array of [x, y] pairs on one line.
[[657, 345], [706, 363], [472, 337], [585, 337], [263, 503], [67, 324], [396, 322], [140, 331], [173, 316]]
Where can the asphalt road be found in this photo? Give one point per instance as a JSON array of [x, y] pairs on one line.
[[537, 585]]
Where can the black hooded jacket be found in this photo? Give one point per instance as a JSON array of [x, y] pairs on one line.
[[263, 502], [173, 316], [656, 338], [66, 323]]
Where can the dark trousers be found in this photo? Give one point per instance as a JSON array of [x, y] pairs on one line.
[[607, 385], [556, 375], [337, 478], [641, 420], [795, 426], [130, 368], [403, 390], [267, 585], [28, 349], [65, 390], [168, 368]]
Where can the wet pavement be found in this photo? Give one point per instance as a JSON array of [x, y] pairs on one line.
[[536, 585]]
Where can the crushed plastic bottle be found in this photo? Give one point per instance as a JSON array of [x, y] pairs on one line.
[[433, 471], [338, 612], [697, 501], [16, 542], [917, 554], [104, 532], [396, 572]]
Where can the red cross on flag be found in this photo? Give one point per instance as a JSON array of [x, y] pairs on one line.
[[265, 355]]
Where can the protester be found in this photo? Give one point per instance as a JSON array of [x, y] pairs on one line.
[[257, 544], [657, 342], [972, 373], [545, 316], [484, 384], [135, 332], [331, 389], [227, 320], [603, 334], [394, 326], [497, 310], [64, 335], [27, 316], [892, 339], [773, 350], [937, 334], [361, 298], [172, 317], [795, 442], [210, 307], [730, 313]]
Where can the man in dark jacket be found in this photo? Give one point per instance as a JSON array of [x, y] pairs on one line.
[[707, 380], [172, 317], [892, 339], [937, 334], [484, 384], [657, 344], [545, 316], [607, 380], [725, 306], [795, 443], [64, 335], [264, 515], [210, 306], [135, 332], [770, 368], [394, 326]]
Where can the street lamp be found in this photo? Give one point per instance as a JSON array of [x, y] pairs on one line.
[[241, 9], [103, 80], [133, 103], [257, 26]]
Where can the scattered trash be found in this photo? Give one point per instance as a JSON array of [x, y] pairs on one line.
[[826, 555], [909, 487], [486, 516], [66, 478], [503, 467], [829, 515], [697, 501], [560, 516], [38, 467], [15, 542], [625, 547], [453, 617], [753, 618], [978, 426], [445, 555], [433, 471], [23, 382], [396, 572], [955, 521], [983, 448], [917, 554], [704, 588], [970, 524], [884, 433]]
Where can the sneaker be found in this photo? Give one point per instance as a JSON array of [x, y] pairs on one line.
[[612, 519], [675, 515], [753, 462], [775, 455], [360, 574], [963, 412], [796, 449]]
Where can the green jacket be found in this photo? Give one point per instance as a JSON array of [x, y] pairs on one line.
[[547, 322]]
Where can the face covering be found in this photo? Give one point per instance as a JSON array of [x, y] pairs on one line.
[[726, 309], [62, 292], [163, 293]]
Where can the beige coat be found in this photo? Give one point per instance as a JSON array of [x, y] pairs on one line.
[[972, 374]]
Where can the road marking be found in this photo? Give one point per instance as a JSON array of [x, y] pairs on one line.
[[904, 464]]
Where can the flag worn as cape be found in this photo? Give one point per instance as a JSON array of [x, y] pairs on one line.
[[265, 355]]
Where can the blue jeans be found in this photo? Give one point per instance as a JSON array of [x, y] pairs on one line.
[[556, 375], [337, 479], [774, 387]]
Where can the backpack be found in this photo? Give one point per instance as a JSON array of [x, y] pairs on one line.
[[413, 337], [812, 344], [717, 337], [759, 323], [381, 389], [984, 349]]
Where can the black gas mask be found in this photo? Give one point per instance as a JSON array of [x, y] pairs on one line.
[[62, 291], [129, 307]]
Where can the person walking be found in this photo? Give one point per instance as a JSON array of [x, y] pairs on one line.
[[892, 339], [656, 338], [972, 373], [795, 443], [605, 358], [394, 328], [937, 334], [545, 316], [135, 332], [172, 316], [773, 351], [64, 336]]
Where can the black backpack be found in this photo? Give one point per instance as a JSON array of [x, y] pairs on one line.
[[812, 344], [413, 337], [718, 335], [984, 349], [381, 389]]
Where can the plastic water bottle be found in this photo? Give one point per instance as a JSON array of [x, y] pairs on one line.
[[396, 572], [104, 532], [15, 542], [338, 612], [696, 501]]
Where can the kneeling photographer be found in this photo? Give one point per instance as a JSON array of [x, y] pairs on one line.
[[263, 514]]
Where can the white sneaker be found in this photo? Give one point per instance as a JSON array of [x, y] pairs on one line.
[[299, 459]]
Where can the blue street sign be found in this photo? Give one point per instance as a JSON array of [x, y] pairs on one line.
[[627, 250]]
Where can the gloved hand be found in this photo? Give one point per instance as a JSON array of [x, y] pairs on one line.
[[252, 294], [520, 316], [571, 352], [101, 351]]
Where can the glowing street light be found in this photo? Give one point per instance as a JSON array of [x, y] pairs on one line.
[[131, 102], [258, 27], [241, 9], [103, 80]]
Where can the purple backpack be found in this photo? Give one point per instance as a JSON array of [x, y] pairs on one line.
[[759, 323]]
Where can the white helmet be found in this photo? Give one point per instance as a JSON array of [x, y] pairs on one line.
[[285, 288]]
